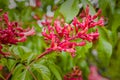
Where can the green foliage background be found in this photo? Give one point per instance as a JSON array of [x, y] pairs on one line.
[[55, 65]]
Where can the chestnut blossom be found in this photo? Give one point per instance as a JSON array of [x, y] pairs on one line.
[[38, 3], [63, 36], [76, 74], [11, 33]]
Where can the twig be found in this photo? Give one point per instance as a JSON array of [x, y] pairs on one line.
[[42, 55], [8, 76], [32, 74]]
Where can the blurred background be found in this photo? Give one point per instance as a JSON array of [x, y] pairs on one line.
[[104, 53]]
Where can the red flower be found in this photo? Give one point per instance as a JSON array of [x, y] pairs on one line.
[[62, 36], [1, 67], [38, 3], [76, 74], [11, 33]]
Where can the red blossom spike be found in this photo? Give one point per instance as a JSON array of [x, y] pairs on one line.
[[62, 36], [1, 10], [81, 43], [97, 14], [46, 23], [38, 3], [87, 10], [22, 39], [5, 17], [12, 34], [29, 32], [101, 22], [75, 74]]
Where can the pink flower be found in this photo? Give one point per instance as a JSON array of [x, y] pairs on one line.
[[94, 74], [63, 36], [11, 33]]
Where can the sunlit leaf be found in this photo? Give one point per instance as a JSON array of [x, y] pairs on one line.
[[69, 9], [54, 70]]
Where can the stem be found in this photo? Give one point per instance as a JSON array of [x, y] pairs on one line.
[[8, 76], [10, 58], [32, 74], [42, 55], [2, 77]]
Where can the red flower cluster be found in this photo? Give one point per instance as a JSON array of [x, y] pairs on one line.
[[1, 67], [94, 74], [76, 74], [62, 36], [11, 33], [38, 3]]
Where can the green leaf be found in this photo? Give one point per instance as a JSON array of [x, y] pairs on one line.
[[1, 76], [26, 14], [4, 4], [55, 71], [20, 50], [42, 70], [82, 50], [21, 73], [85, 3], [115, 26], [23, 52], [105, 4], [104, 51], [69, 9], [105, 33], [66, 62], [25, 75], [84, 67]]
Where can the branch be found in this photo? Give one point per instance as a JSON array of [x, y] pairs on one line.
[[47, 51], [32, 74], [8, 76]]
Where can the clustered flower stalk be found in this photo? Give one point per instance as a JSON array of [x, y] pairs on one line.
[[76, 74], [62, 36], [11, 33], [38, 3]]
